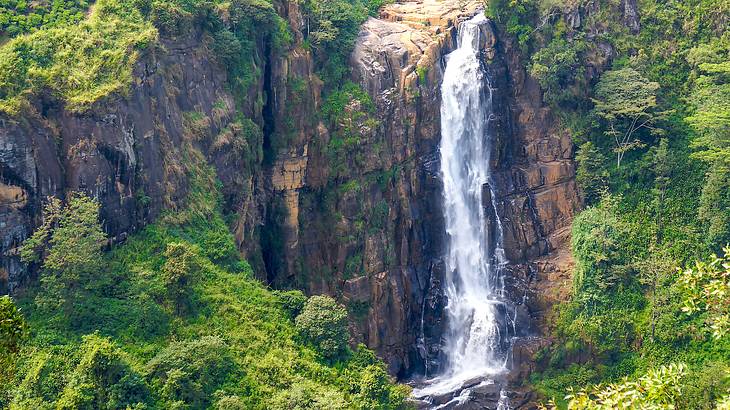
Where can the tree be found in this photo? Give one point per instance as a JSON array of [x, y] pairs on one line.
[[13, 329], [69, 243], [714, 210], [710, 99], [182, 261], [557, 67], [34, 248], [591, 175], [331, 29], [12, 326], [188, 373], [598, 246], [375, 391], [706, 287], [661, 161], [323, 323], [292, 301], [307, 395], [626, 102], [653, 273]]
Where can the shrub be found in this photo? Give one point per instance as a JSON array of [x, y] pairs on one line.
[[13, 330], [658, 389], [591, 175], [79, 63], [714, 210], [170, 18], [102, 379], [557, 67], [323, 323], [307, 395], [332, 29], [190, 371], [179, 272], [706, 288], [597, 240], [292, 301]]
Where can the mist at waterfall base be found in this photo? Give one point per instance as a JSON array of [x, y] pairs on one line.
[[480, 326]]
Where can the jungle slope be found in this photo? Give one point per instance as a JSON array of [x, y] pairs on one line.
[[643, 88]]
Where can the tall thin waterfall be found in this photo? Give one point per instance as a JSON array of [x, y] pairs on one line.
[[477, 338]]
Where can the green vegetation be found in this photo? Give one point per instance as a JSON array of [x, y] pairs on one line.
[[173, 319], [625, 101], [656, 100], [78, 63], [350, 113], [85, 59], [323, 324], [19, 16], [332, 27], [658, 389], [707, 289], [70, 241], [13, 331]]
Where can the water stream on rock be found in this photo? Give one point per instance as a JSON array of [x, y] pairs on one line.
[[477, 338]]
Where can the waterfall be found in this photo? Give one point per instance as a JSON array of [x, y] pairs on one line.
[[477, 339]]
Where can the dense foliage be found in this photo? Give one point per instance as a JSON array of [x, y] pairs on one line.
[[332, 26], [83, 62], [173, 319], [651, 91], [78, 63], [323, 323], [20, 16]]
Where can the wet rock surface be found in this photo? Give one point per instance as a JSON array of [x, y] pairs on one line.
[[493, 393]]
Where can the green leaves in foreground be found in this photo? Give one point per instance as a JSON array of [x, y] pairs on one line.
[[707, 289], [658, 389]]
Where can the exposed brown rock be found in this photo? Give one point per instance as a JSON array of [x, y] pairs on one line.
[[371, 235]]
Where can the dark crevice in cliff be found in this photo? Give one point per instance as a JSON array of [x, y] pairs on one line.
[[269, 112], [272, 239], [271, 234]]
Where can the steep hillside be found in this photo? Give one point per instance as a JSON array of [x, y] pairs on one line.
[[642, 88]]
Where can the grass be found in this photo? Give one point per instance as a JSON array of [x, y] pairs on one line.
[[77, 63]]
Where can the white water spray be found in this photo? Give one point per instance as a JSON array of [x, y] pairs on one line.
[[477, 334]]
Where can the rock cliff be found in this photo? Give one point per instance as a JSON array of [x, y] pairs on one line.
[[364, 225], [390, 271]]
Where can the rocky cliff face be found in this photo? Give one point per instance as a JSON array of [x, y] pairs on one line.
[[389, 271], [363, 224], [128, 152], [137, 153]]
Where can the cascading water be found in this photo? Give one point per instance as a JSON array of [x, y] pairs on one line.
[[477, 338]]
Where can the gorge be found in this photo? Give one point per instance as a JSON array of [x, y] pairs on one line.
[[414, 160]]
